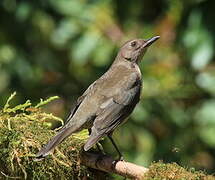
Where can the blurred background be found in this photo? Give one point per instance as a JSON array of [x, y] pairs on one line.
[[60, 47]]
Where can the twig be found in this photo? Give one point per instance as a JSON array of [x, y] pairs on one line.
[[108, 164], [9, 177]]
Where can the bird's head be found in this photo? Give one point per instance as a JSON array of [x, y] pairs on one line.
[[134, 50]]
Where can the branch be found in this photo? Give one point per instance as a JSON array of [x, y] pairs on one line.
[[108, 164]]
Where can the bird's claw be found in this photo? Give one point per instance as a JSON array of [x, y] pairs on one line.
[[121, 158]]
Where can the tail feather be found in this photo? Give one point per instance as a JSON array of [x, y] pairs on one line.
[[62, 134], [93, 139]]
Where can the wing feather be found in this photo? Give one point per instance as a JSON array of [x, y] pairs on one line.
[[112, 113], [78, 102]]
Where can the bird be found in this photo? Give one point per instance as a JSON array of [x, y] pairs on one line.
[[107, 102]]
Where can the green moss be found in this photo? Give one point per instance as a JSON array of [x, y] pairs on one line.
[[23, 130], [172, 171]]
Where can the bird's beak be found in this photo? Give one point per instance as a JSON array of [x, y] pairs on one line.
[[150, 41]]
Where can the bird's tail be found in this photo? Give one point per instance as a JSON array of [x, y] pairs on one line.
[[62, 134], [93, 139]]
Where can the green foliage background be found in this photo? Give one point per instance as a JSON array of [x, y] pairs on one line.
[[59, 47]]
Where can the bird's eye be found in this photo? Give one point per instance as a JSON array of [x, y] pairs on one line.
[[133, 44]]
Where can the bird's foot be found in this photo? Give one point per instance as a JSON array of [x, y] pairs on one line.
[[121, 158]]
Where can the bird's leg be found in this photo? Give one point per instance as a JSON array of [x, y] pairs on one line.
[[120, 158]]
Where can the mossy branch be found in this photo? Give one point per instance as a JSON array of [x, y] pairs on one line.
[[108, 164], [25, 128], [156, 171]]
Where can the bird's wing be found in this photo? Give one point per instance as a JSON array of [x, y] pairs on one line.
[[65, 131], [78, 102], [112, 113]]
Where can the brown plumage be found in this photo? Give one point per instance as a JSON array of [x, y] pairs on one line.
[[108, 101]]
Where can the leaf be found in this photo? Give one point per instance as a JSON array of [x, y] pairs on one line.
[[198, 41], [207, 135], [206, 80], [206, 114], [84, 47]]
